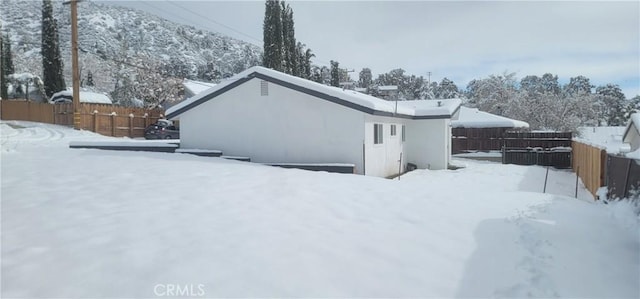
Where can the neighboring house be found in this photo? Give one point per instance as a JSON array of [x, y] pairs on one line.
[[632, 136], [476, 130], [608, 138], [474, 118], [272, 117], [66, 96], [192, 87]]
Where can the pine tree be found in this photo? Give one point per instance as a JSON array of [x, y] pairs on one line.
[[51, 60], [273, 57], [289, 41], [365, 78], [335, 73], [3, 82], [90, 78], [612, 104]]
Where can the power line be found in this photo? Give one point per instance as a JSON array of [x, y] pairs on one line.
[[209, 19]]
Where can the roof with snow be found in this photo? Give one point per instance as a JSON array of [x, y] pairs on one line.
[[196, 87], [474, 118], [609, 138], [349, 98], [66, 96], [634, 122]]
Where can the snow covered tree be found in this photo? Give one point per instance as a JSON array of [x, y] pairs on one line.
[[321, 75], [611, 103], [633, 106], [51, 60], [365, 78], [446, 90], [578, 85], [335, 73], [273, 56], [492, 94]]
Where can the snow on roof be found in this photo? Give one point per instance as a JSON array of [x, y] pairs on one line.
[[21, 76], [609, 138], [474, 118], [388, 87], [85, 97], [633, 121], [196, 87], [351, 96], [431, 107]]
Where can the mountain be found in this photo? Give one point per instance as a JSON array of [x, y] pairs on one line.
[[114, 40]]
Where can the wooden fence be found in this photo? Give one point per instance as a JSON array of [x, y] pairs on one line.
[[623, 177], [103, 119], [589, 163], [494, 139]]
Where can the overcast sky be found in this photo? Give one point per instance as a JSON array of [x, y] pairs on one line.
[[457, 40]]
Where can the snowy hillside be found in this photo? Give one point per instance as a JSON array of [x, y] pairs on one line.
[[108, 34], [93, 223]]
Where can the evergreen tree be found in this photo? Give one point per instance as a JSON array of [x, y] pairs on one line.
[[307, 64], [578, 85], [51, 60], [365, 78], [7, 64], [290, 49], [335, 73], [273, 47], [612, 104], [90, 78], [447, 90], [3, 83]]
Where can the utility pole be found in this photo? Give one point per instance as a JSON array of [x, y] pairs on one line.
[[74, 63]]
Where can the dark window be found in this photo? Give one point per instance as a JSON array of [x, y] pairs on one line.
[[393, 130], [377, 133], [403, 133]]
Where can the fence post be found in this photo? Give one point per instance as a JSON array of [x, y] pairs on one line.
[[130, 125], [546, 176], [577, 176], [95, 121], [113, 124], [626, 180], [146, 119]]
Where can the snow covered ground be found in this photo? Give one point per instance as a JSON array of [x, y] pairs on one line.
[[94, 223]]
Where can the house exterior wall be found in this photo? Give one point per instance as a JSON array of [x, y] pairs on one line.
[[383, 159], [634, 138], [286, 126], [428, 143]]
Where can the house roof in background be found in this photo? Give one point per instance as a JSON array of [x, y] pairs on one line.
[[608, 138], [85, 97], [348, 98], [196, 87], [474, 118]]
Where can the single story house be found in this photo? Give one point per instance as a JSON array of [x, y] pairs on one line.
[[273, 117], [631, 136]]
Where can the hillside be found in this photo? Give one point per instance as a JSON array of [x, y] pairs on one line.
[[110, 35]]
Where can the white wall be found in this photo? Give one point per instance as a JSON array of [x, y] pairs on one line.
[[383, 159], [284, 127], [634, 138], [428, 143]]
